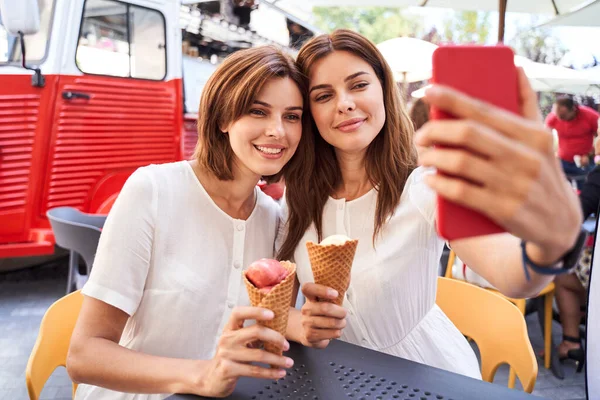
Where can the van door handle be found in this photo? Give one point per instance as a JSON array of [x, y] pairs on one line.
[[75, 95]]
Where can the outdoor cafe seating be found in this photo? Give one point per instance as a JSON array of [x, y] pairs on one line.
[[79, 233], [496, 325]]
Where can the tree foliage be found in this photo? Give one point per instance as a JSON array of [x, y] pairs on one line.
[[467, 27], [540, 46], [376, 23]]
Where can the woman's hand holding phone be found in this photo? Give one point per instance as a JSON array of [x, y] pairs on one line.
[[502, 165]]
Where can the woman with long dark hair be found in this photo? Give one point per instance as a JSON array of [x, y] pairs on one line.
[[364, 183]]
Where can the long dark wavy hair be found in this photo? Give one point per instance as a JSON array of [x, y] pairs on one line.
[[390, 158]]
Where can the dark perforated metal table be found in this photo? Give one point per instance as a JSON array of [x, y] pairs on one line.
[[346, 371]]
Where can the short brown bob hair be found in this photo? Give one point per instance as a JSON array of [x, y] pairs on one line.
[[229, 94]]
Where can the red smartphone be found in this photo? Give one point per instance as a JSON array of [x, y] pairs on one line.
[[487, 73]]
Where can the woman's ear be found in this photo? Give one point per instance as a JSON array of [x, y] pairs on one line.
[[224, 128]]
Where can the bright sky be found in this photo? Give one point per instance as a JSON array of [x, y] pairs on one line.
[[583, 43]]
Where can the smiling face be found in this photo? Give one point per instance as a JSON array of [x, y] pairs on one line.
[[346, 101], [265, 138]]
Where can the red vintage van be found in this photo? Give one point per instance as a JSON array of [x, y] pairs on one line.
[[107, 86]]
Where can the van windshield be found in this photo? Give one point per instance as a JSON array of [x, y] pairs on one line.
[[36, 45]]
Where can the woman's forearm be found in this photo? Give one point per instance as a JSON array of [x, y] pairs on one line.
[[101, 362], [294, 326], [499, 260]]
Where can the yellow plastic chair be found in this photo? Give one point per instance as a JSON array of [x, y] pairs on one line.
[[52, 344], [496, 326], [547, 292]]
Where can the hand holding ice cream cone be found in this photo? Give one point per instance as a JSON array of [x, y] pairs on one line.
[[323, 316], [270, 284], [321, 319], [234, 355], [331, 262]]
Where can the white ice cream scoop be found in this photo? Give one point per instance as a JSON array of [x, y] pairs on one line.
[[337, 240]]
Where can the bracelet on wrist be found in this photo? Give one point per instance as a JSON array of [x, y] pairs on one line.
[[564, 265]]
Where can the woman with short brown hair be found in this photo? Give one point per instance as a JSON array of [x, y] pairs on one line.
[[165, 305]]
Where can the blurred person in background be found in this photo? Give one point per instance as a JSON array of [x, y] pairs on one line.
[[576, 126], [419, 115], [571, 289]]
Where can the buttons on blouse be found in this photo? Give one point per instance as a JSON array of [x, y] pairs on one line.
[[240, 227], [237, 264], [230, 304], [341, 206], [364, 341]]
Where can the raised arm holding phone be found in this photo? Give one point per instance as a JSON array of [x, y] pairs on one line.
[[365, 183]]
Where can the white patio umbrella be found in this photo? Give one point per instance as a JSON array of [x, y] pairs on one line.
[[547, 7], [552, 78], [409, 58], [536, 85], [593, 73], [587, 15]]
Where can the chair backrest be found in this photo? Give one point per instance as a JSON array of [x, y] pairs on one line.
[[495, 324], [77, 231], [450, 264], [52, 344], [74, 215]]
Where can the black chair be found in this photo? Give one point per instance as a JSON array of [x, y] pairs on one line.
[[589, 226], [577, 180], [79, 233]]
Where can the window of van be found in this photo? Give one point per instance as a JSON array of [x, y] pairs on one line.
[[120, 39]]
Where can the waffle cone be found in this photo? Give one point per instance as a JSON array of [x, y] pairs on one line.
[[331, 265], [278, 300]]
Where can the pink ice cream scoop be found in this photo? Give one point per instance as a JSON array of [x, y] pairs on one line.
[[266, 273]]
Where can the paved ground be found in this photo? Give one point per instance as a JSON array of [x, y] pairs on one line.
[[25, 295]]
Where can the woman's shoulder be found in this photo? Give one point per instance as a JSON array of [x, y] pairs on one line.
[[590, 113], [415, 183], [169, 178], [419, 194], [166, 171]]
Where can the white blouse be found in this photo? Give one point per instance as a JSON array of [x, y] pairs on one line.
[[391, 300], [173, 260]]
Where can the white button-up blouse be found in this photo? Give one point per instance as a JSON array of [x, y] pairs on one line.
[[173, 260]]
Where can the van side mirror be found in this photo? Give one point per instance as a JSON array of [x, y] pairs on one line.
[[20, 16]]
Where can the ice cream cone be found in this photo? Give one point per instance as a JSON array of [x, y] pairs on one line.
[[278, 300], [331, 265]]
